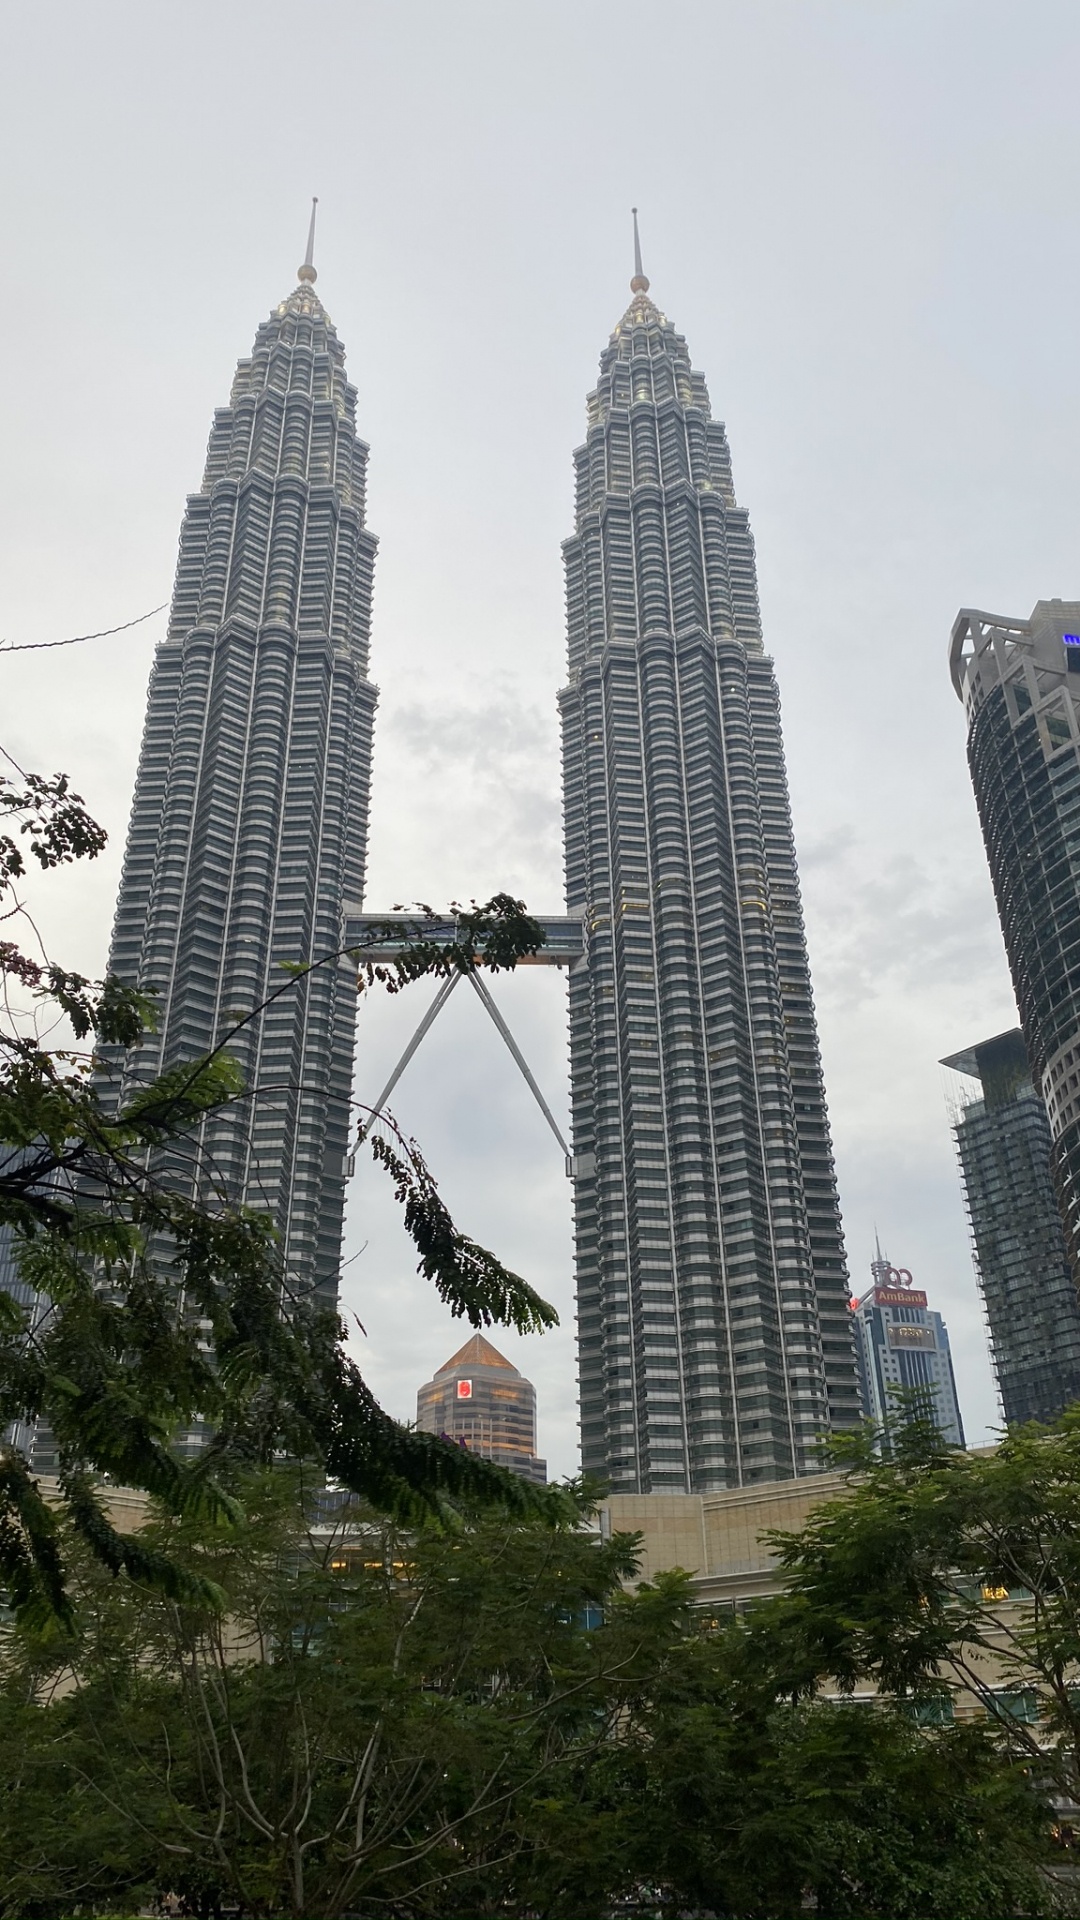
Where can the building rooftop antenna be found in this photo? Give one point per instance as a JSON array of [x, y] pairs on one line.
[[639, 284], [307, 271]]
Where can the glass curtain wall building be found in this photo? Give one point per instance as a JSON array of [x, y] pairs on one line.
[[714, 1334], [1004, 1146], [482, 1401], [249, 824], [903, 1353], [1019, 681]]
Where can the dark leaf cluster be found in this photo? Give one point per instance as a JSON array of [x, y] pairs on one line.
[[53, 825], [470, 1280], [495, 935]]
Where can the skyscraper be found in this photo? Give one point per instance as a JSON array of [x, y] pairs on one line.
[[249, 825], [714, 1335], [1004, 1146], [903, 1354], [479, 1398], [1018, 682]]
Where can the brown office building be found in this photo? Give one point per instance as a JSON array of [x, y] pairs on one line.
[[477, 1397]]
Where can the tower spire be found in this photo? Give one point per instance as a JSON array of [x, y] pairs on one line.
[[638, 284], [307, 271]]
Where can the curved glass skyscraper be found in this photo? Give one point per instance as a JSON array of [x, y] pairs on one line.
[[1020, 684], [714, 1334], [249, 826]]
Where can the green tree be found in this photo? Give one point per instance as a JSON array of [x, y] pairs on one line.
[[722, 1796], [473, 1720], [115, 1365], [942, 1572], [363, 1724]]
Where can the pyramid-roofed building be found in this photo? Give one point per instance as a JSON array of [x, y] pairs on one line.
[[477, 1352], [480, 1400]]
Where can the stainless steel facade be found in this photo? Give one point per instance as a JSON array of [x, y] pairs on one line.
[[1020, 684], [249, 826], [714, 1334], [1004, 1145]]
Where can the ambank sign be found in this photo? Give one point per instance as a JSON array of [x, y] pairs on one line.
[[899, 1297], [896, 1290]]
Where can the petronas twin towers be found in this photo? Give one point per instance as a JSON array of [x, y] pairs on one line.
[[712, 1295], [248, 832], [713, 1327]]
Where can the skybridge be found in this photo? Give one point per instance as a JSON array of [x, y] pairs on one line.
[[383, 936]]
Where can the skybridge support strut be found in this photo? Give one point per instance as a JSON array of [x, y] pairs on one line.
[[428, 1020], [519, 1057], [505, 1034]]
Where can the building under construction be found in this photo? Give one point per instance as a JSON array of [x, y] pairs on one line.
[[1004, 1145]]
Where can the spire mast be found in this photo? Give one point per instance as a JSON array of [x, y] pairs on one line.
[[307, 271], [639, 283]]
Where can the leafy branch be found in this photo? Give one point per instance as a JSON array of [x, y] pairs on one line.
[[158, 1312], [467, 1278]]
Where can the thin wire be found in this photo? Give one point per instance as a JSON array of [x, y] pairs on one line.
[[39, 646]]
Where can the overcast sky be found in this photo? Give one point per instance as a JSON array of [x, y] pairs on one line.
[[863, 217]]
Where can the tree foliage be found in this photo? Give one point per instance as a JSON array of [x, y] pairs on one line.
[[942, 1573], [162, 1310], [465, 1722]]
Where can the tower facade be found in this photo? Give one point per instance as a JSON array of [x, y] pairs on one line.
[[715, 1343], [249, 823], [479, 1399], [903, 1354], [1020, 684], [1004, 1146]]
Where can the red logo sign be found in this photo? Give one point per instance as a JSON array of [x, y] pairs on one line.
[[464, 1389]]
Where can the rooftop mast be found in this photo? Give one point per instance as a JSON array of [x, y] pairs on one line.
[[307, 271]]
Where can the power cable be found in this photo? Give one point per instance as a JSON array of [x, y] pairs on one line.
[[40, 646]]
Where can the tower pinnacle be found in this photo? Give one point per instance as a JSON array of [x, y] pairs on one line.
[[307, 271], [638, 284]]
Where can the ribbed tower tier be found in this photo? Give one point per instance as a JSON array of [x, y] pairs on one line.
[[249, 827], [714, 1334]]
